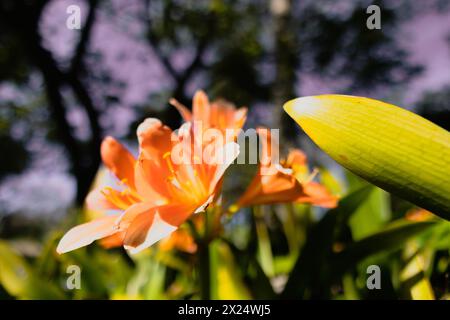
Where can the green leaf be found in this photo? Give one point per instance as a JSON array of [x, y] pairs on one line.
[[149, 277], [328, 179], [391, 238], [390, 147], [14, 271], [264, 253], [255, 279], [311, 271], [227, 282], [20, 280], [371, 216]]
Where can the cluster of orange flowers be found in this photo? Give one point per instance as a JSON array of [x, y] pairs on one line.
[[159, 194]]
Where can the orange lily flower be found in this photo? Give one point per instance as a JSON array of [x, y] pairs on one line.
[[180, 240], [418, 214], [159, 193], [219, 114], [287, 181]]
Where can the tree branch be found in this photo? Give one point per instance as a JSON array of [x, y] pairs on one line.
[[154, 43], [196, 61], [85, 37], [76, 70], [83, 164], [52, 77]]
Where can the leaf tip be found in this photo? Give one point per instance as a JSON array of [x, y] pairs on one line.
[[306, 107]]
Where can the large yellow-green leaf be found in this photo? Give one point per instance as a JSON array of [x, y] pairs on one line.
[[19, 279], [391, 147]]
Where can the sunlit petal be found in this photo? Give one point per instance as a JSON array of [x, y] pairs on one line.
[[317, 194], [96, 200], [154, 138], [224, 158], [184, 112], [201, 108], [152, 180], [87, 233], [118, 159], [146, 229]]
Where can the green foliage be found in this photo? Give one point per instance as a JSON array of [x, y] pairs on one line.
[[19, 280], [322, 258], [312, 268], [391, 237]]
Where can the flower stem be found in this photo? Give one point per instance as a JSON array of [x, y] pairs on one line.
[[204, 271], [204, 261]]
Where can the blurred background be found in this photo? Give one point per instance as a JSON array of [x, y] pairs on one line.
[[63, 90]]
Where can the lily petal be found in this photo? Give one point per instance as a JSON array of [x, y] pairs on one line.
[[185, 113], [296, 157], [201, 108], [113, 241], [176, 214], [151, 180], [270, 149], [275, 188], [133, 212], [180, 240], [124, 221], [154, 138], [96, 200], [118, 159], [147, 229], [240, 116], [224, 158], [317, 194], [87, 233]]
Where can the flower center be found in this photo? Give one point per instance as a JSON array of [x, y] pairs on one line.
[[188, 185]]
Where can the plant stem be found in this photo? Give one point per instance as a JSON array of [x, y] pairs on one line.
[[204, 263], [204, 271]]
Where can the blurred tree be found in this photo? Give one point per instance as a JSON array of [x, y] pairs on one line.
[[16, 159], [288, 38], [15, 156], [435, 107], [246, 51], [287, 62], [336, 42], [20, 22], [219, 41]]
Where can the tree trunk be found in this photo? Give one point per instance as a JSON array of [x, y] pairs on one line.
[[286, 63]]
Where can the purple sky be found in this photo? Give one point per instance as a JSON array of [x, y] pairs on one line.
[[118, 39], [426, 38]]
